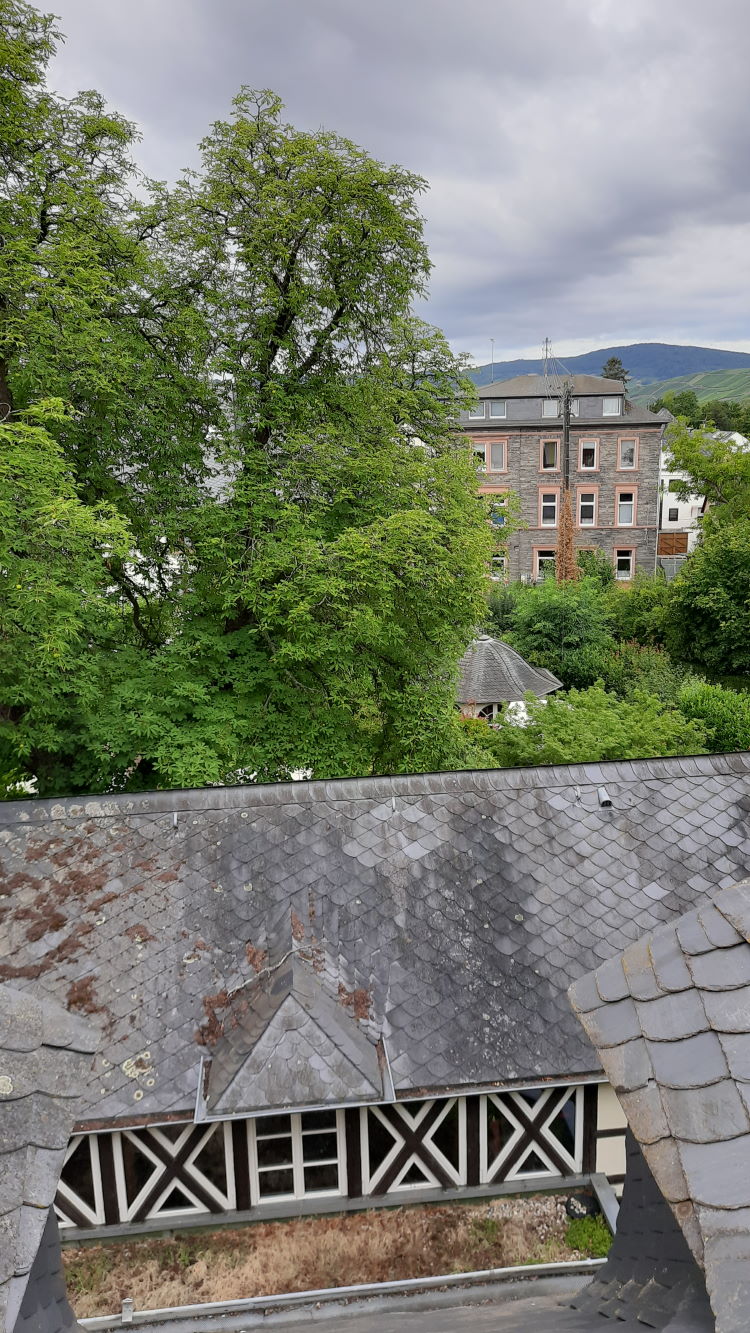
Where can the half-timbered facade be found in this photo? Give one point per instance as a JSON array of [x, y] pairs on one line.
[[516, 436], [329, 995]]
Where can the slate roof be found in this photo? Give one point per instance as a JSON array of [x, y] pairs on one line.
[[671, 1019], [536, 386], [45, 1055], [447, 913], [326, 1055], [493, 672]]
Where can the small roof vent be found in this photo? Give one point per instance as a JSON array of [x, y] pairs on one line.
[[605, 800]]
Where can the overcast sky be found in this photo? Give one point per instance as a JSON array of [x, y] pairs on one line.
[[588, 160]]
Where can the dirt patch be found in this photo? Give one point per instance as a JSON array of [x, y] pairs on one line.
[[267, 1258]]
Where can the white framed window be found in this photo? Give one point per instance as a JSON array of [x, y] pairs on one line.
[[624, 563], [550, 407], [586, 509], [480, 457], [498, 453], [498, 409], [627, 455], [673, 515], [588, 456], [544, 564], [477, 413], [296, 1156], [535, 1132], [611, 407], [575, 407], [625, 509], [548, 509], [549, 455], [499, 568]]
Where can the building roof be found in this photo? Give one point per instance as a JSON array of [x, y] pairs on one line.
[[447, 913], [671, 1019], [538, 386], [45, 1055], [492, 672]]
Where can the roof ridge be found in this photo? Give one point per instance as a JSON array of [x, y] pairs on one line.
[[175, 800]]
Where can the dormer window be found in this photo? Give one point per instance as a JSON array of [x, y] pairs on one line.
[[477, 413], [575, 407], [498, 409], [550, 407], [611, 407]]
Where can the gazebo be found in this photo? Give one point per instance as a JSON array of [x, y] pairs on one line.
[[493, 674]]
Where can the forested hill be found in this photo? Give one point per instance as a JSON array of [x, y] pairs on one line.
[[647, 363], [731, 385]]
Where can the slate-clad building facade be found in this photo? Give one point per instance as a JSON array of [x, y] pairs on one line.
[[517, 440], [313, 995]]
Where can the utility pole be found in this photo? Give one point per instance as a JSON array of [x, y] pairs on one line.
[[566, 567]]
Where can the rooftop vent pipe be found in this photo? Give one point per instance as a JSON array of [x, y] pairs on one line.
[[605, 800]]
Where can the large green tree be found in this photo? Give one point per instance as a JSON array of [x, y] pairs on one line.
[[708, 612], [718, 468], [301, 552]]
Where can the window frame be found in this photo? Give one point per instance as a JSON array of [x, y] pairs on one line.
[[477, 413], [588, 444], [549, 439], [489, 445], [536, 553], [628, 439], [580, 492], [621, 550], [551, 416], [619, 492], [503, 567], [479, 447], [673, 515], [612, 398], [548, 490], [498, 402], [297, 1134]]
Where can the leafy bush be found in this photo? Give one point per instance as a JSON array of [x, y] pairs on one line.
[[596, 565], [563, 627], [501, 605], [590, 1235], [633, 667], [584, 726], [639, 613], [708, 619], [723, 712]]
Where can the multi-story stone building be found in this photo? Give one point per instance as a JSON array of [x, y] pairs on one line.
[[516, 433]]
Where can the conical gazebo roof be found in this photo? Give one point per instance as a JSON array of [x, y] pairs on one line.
[[493, 673]]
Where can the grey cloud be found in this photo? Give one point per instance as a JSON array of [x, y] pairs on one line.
[[588, 159]]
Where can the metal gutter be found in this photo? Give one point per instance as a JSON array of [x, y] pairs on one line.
[[329, 1295]]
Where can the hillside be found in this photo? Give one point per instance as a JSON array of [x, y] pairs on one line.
[[648, 363], [728, 384]]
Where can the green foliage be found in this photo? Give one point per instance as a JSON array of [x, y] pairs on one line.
[[501, 606], [717, 468], [725, 713], [596, 565], [590, 1236], [638, 613], [709, 387], [253, 542], [613, 369], [708, 620], [586, 726], [564, 627], [633, 667]]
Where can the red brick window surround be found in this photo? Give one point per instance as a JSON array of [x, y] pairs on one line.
[[624, 562], [627, 453], [549, 454], [588, 455], [626, 506], [549, 505], [587, 506], [497, 455], [543, 561]]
